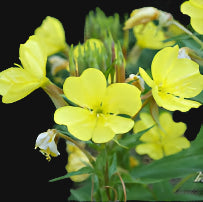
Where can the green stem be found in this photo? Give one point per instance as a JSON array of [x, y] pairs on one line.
[[107, 174], [123, 185], [143, 105], [187, 32]]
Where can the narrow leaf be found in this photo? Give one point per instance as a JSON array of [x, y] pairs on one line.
[[84, 170]]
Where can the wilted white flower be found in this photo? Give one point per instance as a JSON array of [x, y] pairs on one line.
[[46, 143]]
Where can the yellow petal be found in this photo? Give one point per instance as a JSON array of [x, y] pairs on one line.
[[146, 77], [170, 127], [197, 24], [194, 8], [80, 122], [184, 78], [149, 36], [17, 83], [146, 122], [52, 35], [175, 145], [33, 57], [153, 150], [119, 124], [86, 90], [162, 63], [122, 98], [102, 132], [172, 103]]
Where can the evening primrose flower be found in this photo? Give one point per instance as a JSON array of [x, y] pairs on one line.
[[174, 79], [76, 160], [17, 82], [97, 115], [52, 35], [194, 8], [159, 142], [46, 143]]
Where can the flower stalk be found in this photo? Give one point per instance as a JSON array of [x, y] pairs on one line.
[[188, 32], [55, 93]]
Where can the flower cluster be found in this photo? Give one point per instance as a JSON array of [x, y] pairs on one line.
[[114, 108]]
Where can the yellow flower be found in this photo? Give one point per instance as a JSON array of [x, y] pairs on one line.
[[149, 36], [46, 142], [17, 82], [52, 35], [76, 160], [160, 142], [174, 79], [194, 8], [97, 115]]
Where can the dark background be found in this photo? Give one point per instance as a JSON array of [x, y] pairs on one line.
[[25, 172]]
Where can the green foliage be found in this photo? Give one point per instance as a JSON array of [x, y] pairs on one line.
[[97, 25]]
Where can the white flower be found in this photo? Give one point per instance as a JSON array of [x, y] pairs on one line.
[[46, 143]]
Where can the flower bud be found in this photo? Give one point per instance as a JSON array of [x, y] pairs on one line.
[[76, 160], [141, 16], [136, 81]]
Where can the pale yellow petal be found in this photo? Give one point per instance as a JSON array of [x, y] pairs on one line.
[[33, 57], [122, 98], [102, 132], [172, 103], [163, 62], [86, 90], [150, 36], [146, 77], [80, 122], [145, 122], [153, 150], [52, 35], [175, 145], [194, 8], [172, 129], [17, 83], [184, 79], [119, 124], [197, 24]]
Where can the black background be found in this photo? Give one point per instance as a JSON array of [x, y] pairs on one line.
[[24, 171]]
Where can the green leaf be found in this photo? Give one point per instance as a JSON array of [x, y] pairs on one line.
[[178, 165], [84, 170], [129, 140], [83, 193], [112, 165]]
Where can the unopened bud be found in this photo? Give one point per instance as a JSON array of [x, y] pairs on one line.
[[136, 81]]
